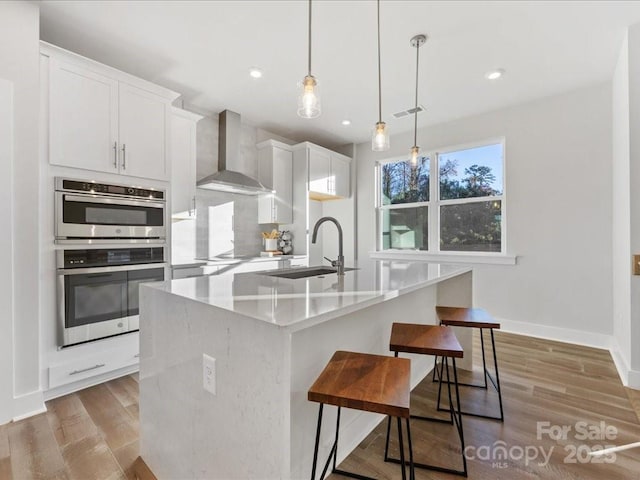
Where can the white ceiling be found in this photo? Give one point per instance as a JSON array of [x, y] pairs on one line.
[[204, 50]]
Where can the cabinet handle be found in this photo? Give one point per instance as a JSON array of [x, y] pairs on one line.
[[194, 207], [115, 155], [124, 156], [99, 365]]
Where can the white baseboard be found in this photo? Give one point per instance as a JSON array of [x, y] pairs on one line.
[[629, 377], [634, 379], [567, 335], [28, 405]]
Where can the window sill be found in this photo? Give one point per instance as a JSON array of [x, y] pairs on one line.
[[446, 257]]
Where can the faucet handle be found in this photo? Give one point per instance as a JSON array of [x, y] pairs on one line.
[[332, 262]]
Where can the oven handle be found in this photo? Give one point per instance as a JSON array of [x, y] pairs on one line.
[[112, 200], [115, 268]]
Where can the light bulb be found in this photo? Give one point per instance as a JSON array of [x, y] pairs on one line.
[[415, 151], [309, 100], [380, 137]]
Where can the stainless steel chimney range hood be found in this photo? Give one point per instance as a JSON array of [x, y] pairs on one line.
[[225, 180]]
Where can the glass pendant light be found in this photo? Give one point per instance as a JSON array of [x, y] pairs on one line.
[[416, 42], [380, 134], [309, 99]]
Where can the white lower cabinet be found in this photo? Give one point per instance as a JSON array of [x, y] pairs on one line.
[[91, 366]]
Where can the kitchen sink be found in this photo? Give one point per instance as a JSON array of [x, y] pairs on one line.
[[304, 272]]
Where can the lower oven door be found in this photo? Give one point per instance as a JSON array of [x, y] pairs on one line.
[[100, 302]]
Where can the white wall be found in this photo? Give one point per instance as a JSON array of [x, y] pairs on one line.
[[559, 200], [6, 252], [634, 197], [621, 213], [19, 63]]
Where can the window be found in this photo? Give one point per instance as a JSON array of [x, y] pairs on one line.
[[457, 209]]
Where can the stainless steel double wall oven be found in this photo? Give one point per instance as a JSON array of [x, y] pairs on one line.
[[114, 239]]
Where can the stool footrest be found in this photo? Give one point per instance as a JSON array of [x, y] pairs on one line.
[[426, 466], [477, 415], [433, 419]]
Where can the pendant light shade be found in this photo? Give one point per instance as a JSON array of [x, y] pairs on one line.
[[380, 135], [309, 98]]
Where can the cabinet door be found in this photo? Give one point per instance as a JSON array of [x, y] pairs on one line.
[[183, 166], [340, 173], [283, 185], [266, 209], [319, 171], [142, 132], [83, 108]]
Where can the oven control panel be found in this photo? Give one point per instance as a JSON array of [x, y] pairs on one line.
[[109, 257], [107, 189]]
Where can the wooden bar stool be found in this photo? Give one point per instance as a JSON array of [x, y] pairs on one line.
[[432, 340], [474, 318], [371, 383]]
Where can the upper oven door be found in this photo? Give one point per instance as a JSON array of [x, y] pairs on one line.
[[98, 216]]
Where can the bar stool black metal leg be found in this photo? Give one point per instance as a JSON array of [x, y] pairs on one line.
[[386, 445], [315, 450], [435, 366], [401, 442], [498, 387], [412, 472], [460, 429], [484, 361]]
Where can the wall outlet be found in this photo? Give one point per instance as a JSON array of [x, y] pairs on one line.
[[209, 373]]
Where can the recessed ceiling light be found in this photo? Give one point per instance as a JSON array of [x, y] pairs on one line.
[[346, 122], [494, 74], [255, 72]]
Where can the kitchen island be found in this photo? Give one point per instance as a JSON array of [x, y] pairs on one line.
[[270, 338]]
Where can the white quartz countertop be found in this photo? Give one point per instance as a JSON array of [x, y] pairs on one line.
[[299, 303]]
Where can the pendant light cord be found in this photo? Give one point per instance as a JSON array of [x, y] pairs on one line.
[[379, 71], [309, 37], [415, 116]]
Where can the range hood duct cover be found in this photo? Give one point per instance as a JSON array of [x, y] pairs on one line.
[[225, 180]]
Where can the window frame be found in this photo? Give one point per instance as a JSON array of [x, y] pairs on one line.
[[434, 204]]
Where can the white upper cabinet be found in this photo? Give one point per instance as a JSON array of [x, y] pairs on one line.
[[275, 171], [83, 121], [143, 127], [105, 120], [329, 173], [341, 175], [183, 162]]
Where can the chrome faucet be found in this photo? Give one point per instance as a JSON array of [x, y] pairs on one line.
[[339, 263]]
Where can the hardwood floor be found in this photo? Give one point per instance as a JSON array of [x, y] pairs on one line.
[[93, 434]]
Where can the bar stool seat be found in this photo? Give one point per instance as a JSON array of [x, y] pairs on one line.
[[360, 381], [440, 341], [481, 319]]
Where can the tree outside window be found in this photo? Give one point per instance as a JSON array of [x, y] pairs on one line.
[[464, 214]]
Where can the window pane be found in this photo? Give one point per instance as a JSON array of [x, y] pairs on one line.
[[471, 227], [400, 183], [405, 228], [475, 172]]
